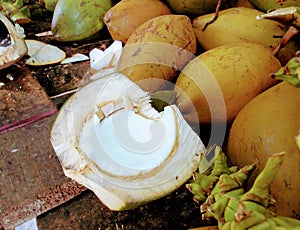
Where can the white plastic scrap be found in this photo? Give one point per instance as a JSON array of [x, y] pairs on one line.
[[29, 225], [10, 77], [75, 58], [44, 34], [106, 61]]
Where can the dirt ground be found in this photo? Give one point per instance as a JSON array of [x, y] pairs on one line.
[[175, 211]]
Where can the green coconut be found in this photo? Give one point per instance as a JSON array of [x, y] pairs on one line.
[[75, 20]]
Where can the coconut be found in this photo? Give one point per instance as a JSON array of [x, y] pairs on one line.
[[12, 44], [41, 53], [77, 20], [109, 138], [158, 49], [127, 15], [268, 124], [192, 7]]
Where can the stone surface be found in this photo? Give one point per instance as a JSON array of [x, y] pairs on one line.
[[31, 177]]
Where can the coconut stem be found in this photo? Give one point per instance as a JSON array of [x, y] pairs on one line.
[[220, 165], [285, 39], [234, 209], [216, 15], [259, 192], [202, 186], [228, 191], [25, 122]]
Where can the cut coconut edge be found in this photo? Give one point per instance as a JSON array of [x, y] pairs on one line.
[[17, 49], [41, 53], [94, 116]]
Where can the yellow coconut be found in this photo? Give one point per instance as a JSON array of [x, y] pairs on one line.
[[238, 72], [237, 24], [124, 17], [269, 124], [157, 49]]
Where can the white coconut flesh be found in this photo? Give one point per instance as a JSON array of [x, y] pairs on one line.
[[41, 53], [119, 142], [15, 48], [109, 138]]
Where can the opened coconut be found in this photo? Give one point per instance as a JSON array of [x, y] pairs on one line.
[[12, 44], [109, 138]]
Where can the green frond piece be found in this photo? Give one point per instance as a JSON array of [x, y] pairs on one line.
[[202, 186], [218, 208], [233, 169], [242, 175], [14, 13], [259, 192], [227, 184], [247, 219], [26, 11], [18, 4], [286, 222], [250, 205], [197, 191], [290, 72], [232, 207], [220, 164]]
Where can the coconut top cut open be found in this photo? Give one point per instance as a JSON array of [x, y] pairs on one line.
[[12, 45], [109, 138]]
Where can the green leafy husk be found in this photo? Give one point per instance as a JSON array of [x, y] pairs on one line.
[[290, 72], [16, 11], [226, 200]]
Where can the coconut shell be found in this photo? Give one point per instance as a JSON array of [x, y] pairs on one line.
[[223, 79], [117, 158], [16, 50], [157, 49], [75, 20], [193, 7], [124, 17], [237, 24], [266, 5], [41, 53], [268, 124]]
